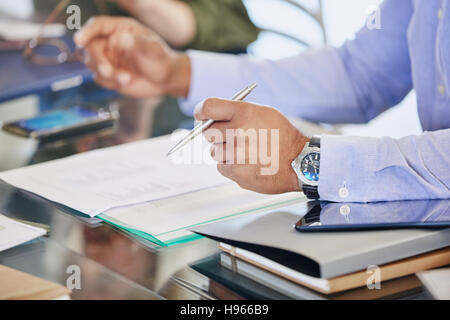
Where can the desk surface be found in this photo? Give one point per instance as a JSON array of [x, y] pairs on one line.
[[116, 265], [113, 264]]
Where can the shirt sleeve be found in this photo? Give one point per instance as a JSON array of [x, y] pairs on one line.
[[355, 169], [377, 61], [314, 86], [351, 84]]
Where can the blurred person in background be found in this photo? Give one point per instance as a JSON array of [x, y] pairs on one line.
[[212, 25]]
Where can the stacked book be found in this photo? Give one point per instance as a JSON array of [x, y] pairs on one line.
[[286, 280], [268, 250]]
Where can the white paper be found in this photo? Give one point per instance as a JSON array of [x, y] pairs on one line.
[[133, 173], [13, 233], [322, 284], [437, 282], [16, 30], [169, 219]]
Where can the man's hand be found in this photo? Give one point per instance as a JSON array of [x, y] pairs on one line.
[[126, 56], [254, 145]]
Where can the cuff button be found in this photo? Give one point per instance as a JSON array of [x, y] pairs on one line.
[[343, 193]]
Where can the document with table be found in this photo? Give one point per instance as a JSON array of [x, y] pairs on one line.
[[136, 187]]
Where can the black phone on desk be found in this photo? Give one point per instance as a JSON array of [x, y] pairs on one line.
[[335, 217], [64, 123]]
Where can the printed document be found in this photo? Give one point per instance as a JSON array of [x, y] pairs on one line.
[[169, 219], [97, 181], [13, 233]]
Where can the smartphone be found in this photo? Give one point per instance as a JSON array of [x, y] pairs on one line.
[[64, 123]]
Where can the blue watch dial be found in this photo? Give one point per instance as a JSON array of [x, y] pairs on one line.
[[311, 166]]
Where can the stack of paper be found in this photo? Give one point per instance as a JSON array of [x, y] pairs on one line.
[[136, 187], [13, 233], [24, 30], [97, 181], [165, 222], [437, 282]]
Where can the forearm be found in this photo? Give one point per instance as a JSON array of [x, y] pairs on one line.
[[352, 84], [173, 20], [313, 85], [370, 169]]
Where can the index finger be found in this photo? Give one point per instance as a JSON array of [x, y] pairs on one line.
[[96, 27]]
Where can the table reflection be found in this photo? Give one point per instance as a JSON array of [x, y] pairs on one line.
[[96, 247], [394, 213]]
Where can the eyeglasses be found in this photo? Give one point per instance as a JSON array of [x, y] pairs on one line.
[[55, 51]]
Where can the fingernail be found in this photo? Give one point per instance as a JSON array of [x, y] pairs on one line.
[[89, 22], [85, 57], [105, 70], [126, 40], [123, 78], [198, 107], [78, 37]]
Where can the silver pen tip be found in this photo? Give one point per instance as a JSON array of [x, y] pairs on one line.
[[172, 151]]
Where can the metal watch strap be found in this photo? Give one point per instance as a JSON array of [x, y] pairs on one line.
[[315, 142], [312, 192]]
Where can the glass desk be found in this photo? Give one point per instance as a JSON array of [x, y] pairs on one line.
[[114, 264]]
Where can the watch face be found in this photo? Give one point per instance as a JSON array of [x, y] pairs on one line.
[[310, 166]]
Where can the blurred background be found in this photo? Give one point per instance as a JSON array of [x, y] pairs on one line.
[[341, 19], [287, 31]]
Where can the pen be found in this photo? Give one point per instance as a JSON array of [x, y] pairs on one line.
[[206, 124]]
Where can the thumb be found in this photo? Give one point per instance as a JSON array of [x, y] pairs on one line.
[[217, 109], [128, 44]]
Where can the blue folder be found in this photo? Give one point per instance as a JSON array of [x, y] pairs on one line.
[[20, 77]]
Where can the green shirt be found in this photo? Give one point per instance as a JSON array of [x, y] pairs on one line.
[[222, 25]]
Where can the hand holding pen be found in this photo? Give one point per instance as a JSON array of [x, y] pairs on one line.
[[199, 129]]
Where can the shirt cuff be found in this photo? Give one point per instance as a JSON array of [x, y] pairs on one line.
[[346, 168]]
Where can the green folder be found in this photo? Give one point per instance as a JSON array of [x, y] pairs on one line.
[[192, 237]]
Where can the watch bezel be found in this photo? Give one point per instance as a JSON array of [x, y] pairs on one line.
[[297, 165]]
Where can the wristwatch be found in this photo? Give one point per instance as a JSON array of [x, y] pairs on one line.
[[307, 168]]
